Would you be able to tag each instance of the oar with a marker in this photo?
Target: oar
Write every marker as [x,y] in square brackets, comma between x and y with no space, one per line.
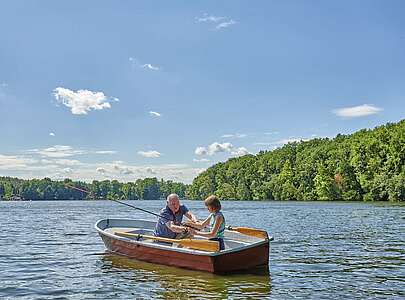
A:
[250,231]
[244,230]
[205,245]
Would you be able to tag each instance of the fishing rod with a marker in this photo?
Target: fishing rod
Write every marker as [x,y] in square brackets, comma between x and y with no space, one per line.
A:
[123,203]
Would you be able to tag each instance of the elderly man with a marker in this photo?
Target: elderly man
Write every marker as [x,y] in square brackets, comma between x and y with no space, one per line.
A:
[171,217]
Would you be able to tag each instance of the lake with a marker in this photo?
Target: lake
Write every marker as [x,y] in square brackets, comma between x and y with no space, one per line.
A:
[328,250]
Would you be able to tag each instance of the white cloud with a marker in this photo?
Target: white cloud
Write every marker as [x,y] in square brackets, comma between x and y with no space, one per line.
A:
[9,162]
[240,151]
[101,170]
[105,152]
[290,140]
[236,135]
[59,151]
[59,168]
[200,151]
[263,143]
[62,161]
[122,169]
[201,160]
[67,170]
[150,170]
[150,67]
[225,24]
[155,114]
[218,147]
[150,154]
[51,134]
[126,171]
[82,101]
[357,111]
[271,132]
[207,18]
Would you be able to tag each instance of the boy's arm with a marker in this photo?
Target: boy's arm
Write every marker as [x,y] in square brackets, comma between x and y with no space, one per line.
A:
[214,229]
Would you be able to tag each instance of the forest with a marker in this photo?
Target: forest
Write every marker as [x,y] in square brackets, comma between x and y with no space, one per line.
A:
[365,166]
[47,189]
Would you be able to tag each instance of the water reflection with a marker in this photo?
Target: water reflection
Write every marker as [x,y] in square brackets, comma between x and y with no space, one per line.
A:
[169,282]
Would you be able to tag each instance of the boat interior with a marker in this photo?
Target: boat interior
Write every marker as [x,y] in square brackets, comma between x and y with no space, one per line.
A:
[139,228]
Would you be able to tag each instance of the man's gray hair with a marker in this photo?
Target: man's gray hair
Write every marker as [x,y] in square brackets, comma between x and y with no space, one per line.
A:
[172,196]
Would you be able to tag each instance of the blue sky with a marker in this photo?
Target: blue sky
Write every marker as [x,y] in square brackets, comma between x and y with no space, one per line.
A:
[133,89]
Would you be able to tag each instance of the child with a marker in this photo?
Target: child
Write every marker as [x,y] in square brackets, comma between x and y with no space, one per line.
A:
[217,222]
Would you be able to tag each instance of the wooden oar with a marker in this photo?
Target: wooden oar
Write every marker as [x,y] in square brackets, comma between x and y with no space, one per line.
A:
[244,230]
[250,231]
[205,245]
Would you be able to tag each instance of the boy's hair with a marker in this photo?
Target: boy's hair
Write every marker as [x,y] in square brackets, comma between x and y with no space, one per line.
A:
[213,201]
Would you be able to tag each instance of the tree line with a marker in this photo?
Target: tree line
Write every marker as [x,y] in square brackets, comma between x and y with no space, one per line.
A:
[47,189]
[367,165]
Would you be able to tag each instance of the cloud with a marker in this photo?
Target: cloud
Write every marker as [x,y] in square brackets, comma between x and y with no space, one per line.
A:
[213,149]
[59,151]
[62,161]
[201,160]
[82,101]
[218,148]
[357,111]
[101,170]
[67,170]
[271,132]
[105,152]
[240,151]
[200,151]
[123,170]
[236,135]
[225,24]
[9,162]
[150,170]
[51,134]
[225,21]
[150,154]
[155,114]
[126,171]
[290,140]
[263,143]
[210,19]
[150,67]
[26,167]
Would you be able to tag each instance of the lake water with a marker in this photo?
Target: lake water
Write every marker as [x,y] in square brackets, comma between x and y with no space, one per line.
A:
[50,250]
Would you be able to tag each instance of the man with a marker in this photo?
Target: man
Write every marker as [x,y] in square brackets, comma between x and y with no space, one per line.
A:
[169,224]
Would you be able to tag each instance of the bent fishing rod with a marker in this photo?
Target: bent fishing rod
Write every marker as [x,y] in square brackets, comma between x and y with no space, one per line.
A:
[123,203]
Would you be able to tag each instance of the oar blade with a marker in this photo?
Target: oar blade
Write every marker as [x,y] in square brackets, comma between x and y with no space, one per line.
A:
[251,232]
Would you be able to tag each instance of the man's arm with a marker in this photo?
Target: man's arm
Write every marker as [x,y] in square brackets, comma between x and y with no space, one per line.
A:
[190,215]
[175,228]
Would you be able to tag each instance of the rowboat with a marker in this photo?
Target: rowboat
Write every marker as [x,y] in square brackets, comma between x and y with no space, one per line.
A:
[134,239]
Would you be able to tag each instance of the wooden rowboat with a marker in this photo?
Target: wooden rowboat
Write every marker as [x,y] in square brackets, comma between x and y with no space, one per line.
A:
[130,238]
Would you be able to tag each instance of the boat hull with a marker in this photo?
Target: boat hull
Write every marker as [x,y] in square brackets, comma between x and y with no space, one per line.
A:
[222,263]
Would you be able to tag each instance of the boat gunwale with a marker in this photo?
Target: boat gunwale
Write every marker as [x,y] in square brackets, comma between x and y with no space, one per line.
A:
[170,248]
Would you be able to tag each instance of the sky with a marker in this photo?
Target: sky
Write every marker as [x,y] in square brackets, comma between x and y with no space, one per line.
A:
[94,90]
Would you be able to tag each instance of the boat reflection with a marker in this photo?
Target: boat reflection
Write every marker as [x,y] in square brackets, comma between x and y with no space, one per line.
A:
[169,282]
